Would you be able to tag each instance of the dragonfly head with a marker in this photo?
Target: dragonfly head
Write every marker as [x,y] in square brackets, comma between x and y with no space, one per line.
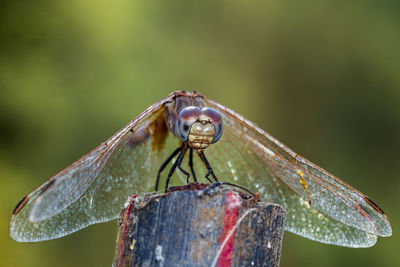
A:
[200,127]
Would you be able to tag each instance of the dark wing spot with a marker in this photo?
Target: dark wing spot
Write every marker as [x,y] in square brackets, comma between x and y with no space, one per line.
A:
[20,205]
[373,204]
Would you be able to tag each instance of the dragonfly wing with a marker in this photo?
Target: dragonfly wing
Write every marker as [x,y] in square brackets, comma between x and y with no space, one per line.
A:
[308,222]
[94,188]
[252,158]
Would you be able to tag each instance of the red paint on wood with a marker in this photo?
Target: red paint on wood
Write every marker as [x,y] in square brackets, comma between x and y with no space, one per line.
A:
[232,205]
[123,234]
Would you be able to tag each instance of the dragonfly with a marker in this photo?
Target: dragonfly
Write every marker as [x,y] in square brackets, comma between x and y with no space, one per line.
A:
[218,142]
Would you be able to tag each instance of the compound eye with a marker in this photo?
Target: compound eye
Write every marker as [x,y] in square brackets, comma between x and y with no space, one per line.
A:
[186,118]
[216,120]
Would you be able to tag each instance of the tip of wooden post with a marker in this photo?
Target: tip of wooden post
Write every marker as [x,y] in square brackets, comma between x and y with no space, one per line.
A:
[193,225]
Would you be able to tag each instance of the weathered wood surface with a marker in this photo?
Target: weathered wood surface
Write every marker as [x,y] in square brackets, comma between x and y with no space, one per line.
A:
[199,228]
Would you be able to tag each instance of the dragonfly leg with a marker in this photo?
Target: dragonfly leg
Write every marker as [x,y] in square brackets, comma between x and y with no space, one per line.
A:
[238,186]
[180,162]
[208,166]
[191,166]
[184,172]
[217,184]
[177,163]
[166,162]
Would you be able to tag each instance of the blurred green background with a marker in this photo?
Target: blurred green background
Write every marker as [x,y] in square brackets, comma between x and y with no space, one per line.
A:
[321,76]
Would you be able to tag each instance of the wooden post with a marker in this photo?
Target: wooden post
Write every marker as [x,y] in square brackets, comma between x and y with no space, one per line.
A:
[193,227]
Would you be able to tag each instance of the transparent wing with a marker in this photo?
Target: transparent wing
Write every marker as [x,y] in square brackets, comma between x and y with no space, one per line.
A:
[339,214]
[94,188]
